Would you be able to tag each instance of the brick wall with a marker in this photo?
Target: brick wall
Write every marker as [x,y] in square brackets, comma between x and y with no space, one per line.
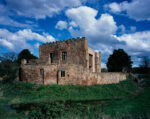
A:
[76,51]
[74,74]
[76,67]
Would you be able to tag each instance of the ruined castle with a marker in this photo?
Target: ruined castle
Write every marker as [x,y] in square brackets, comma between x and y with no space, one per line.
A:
[67,62]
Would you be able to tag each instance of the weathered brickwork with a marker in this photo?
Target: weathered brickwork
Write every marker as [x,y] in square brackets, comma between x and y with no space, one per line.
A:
[67,62]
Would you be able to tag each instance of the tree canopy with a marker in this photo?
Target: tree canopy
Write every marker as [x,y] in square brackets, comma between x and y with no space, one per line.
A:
[8,66]
[25,54]
[145,65]
[119,61]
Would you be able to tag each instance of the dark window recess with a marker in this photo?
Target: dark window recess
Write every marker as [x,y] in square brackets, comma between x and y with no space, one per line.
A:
[64,56]
[42,73]
[52,57]
[62,73]
[90,61]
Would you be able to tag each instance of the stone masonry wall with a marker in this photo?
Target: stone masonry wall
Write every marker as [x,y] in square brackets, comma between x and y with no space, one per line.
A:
[76,67]
[31,74]
[75,75]
[76,51]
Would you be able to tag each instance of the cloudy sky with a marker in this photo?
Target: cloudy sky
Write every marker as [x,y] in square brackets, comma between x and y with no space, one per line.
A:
[107,25]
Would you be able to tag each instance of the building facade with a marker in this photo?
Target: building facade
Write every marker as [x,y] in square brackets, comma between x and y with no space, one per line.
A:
[67,62]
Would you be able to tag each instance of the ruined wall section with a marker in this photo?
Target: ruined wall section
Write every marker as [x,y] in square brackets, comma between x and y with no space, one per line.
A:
[78,75]
[111,77]
[74,74]
[32,74]
[76,51]
[97,62]
[91,52]
[76,67]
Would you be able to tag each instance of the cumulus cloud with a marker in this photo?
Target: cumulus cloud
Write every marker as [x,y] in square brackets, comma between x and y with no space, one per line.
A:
[6,20]
[138,41]
[6,43]
[40,8]
[73,24]
[96,30]
[136,45]
[99,31]
[114,7]
[136,9]
[122,28]
[19,40]
[61,25]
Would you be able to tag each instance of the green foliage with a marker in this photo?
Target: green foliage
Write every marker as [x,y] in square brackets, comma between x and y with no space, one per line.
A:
[8,64]
[11,77]
[145,65]
[25,54]
[8,67]
[123,100]
[119,61]
[104,70]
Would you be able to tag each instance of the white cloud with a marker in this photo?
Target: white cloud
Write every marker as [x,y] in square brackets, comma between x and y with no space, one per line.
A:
[40,8]
[61,25]
[37,45]
[6,20]
[114,7]
[19,40]
[123,28]
[136,9]
[6,43]
[138,41]
[96,30]
[73,24]
[100,33]
[103,65]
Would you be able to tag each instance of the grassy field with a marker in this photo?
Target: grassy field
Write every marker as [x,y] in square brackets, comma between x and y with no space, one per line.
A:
[125,100]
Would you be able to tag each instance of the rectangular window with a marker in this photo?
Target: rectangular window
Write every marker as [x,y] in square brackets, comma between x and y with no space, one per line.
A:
[62,73]
[42,73]
[90,61]
[52,57]
[64,56]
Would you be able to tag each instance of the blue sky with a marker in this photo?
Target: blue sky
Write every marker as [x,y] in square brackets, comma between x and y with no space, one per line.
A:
[107,25]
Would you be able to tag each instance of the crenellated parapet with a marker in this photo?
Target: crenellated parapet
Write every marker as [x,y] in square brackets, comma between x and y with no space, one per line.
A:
[78,39]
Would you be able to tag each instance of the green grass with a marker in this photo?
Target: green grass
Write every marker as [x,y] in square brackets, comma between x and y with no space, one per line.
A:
[82,101]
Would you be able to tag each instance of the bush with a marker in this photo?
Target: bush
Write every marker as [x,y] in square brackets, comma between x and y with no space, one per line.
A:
[11,77]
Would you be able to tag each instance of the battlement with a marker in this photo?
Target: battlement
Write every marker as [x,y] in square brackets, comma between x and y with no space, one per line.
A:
[78,39]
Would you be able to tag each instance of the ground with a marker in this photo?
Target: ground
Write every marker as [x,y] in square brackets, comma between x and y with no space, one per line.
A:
[123,100]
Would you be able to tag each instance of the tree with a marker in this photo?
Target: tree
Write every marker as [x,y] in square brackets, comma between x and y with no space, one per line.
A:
[8,66]
[25,54]
[145,65]
[119,61]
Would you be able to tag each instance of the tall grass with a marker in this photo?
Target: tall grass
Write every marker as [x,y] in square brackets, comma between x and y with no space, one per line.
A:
[121,100]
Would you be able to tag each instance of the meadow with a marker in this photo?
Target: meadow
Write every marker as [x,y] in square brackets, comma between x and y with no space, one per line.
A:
[125,100]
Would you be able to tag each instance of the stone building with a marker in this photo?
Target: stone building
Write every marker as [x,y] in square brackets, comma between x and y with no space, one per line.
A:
[67,62]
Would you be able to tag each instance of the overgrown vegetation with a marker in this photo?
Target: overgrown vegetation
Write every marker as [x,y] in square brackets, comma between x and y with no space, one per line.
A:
[8,67]
[25,54]
[123,100]
[119,61]
[18,100]
[10,64]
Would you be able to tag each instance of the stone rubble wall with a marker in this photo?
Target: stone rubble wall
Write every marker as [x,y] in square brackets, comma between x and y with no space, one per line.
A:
[111,77]
[74,75]
[76,66]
